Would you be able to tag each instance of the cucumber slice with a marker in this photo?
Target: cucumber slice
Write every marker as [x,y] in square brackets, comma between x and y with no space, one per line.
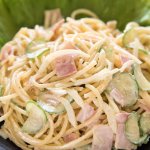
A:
[34,49]
[36,120]
[142,140]
[145,123]
[131,25]
[135,33]
[59,109]
[129,37]
[132,130]
[32,46]
[37,53]
[126,86]
[143,83]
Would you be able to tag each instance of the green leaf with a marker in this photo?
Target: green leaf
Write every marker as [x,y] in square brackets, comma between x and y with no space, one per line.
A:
[17,13]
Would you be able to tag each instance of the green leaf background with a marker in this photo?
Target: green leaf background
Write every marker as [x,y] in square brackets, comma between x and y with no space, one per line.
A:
[18,13]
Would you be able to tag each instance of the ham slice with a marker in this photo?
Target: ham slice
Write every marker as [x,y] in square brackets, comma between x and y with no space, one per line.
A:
[86,112]
[52,17]
[102,138]
[70,137]
[65,66]
[122,117]
[121,142]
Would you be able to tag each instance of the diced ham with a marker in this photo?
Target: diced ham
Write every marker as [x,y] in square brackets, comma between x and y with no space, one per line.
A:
[122,117]
[102,138]
[6,51]
[65,66]
[118,97]
[121,141]
[52,16]
[86,112]
[70,137]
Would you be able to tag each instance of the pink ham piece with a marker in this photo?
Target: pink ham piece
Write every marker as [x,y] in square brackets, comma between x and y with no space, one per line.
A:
[86,112]
[102,138]
[122,117]
[121,142]
[70,137]
[65,66]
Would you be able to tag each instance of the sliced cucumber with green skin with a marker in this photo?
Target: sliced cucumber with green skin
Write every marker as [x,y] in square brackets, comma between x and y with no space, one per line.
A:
[131,25]
[129,37]
[36,118]
[132,130]
[37,53]
[143,83]
[59,109]
[33,52]
[32,45]
[134,33]
[142,140]
[126,86]
[145,123]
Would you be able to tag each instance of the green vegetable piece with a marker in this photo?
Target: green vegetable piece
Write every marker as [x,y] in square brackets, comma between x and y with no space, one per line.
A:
[36,118]
[145,123]
[132,130]
[37,53]
[126,86]
[59,109]
[36,48]
[129,37]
